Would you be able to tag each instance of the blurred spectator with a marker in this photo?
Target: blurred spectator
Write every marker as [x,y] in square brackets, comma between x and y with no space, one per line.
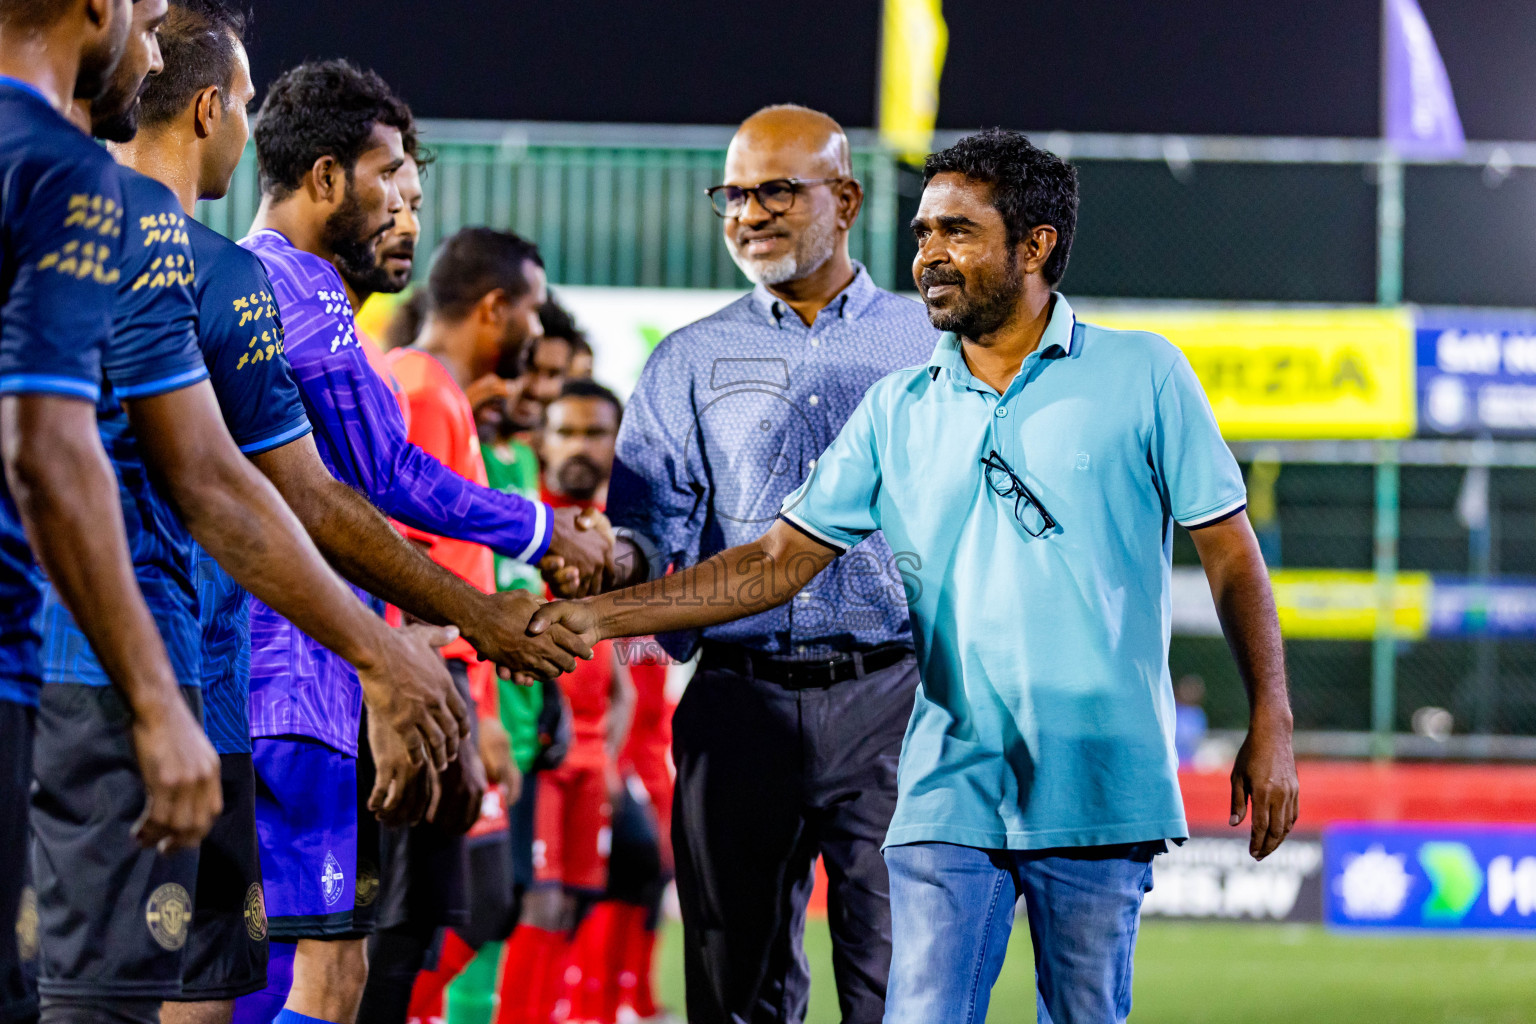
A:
[581,359]
[406,319]
[1189,723]
[546,367]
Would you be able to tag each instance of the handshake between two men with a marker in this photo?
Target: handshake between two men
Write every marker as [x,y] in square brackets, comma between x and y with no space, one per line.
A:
[431,765]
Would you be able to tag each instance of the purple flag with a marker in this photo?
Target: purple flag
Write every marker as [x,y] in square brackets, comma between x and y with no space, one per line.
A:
[1418,111]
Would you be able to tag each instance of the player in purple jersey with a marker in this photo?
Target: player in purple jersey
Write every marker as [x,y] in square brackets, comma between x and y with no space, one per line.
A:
[193,130]
[329,139]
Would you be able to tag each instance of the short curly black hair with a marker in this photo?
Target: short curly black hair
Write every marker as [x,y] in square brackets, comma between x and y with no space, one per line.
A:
[1030,187]
[197,45]
[323,108]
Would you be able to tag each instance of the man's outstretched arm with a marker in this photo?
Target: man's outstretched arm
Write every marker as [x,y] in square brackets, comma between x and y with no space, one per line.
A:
[67,496]
[235,514]
[738,582]
[359,429]
[1265,771]
[367,550]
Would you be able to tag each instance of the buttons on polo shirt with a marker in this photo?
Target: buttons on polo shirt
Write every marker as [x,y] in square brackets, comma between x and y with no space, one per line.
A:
[814,400]
[1001,412]
[815,343]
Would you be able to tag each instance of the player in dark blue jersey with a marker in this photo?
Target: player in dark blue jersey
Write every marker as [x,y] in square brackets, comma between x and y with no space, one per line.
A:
[114,921]
[193,132]
[60,232]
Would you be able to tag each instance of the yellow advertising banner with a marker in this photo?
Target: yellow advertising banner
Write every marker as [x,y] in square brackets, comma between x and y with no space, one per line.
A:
[1283,374]
[1339,604]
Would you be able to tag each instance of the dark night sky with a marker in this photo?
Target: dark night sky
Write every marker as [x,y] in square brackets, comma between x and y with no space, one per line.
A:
[1307,67]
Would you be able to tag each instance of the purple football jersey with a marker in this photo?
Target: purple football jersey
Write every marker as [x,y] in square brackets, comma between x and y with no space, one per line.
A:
[297,686]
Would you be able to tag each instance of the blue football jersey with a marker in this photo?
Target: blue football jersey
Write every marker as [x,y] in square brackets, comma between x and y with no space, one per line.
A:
[241,336]
[153,350]
[60,232]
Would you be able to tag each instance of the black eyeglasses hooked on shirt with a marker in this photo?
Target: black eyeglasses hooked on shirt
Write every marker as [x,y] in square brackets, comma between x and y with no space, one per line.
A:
[1027,509]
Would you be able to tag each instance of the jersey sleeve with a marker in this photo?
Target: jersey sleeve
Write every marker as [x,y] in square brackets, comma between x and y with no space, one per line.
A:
[242,337]
[838,503]
[154,345]
[1197,475]
[64,244]
[361,435]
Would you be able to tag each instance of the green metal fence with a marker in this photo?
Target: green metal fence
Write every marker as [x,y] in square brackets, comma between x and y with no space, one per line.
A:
[1246,219]
[604,211]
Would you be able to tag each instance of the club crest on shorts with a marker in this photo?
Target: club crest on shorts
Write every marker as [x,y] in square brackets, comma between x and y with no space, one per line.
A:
[255,913]
[367,884]
[168,913]
[332,881]
[26,925]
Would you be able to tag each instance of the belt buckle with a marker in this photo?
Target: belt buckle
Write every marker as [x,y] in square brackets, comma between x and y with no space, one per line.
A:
[816,677]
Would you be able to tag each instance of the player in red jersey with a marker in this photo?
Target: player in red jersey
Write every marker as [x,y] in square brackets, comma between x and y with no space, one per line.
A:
[573,807]
[485,289]
[645,764]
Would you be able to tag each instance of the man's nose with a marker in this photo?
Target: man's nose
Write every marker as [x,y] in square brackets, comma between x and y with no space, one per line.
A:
[753,211]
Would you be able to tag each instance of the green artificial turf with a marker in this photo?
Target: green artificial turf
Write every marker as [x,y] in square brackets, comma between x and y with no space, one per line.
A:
[1188,973]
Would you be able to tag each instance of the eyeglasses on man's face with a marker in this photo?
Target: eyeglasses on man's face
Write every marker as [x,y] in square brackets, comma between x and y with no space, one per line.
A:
[1027,509]
[776,196]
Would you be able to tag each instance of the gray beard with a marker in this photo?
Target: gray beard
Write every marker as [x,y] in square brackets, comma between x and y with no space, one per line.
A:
[816,247]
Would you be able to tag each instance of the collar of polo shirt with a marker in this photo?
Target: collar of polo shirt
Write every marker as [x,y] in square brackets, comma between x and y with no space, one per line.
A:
[1055,343]
[847,304]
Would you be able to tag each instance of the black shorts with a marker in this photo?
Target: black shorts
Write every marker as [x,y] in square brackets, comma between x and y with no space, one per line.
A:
[423,869]
[365,903]
[492,900]
[114,917]
[634,861]
[226,954]
[18,901]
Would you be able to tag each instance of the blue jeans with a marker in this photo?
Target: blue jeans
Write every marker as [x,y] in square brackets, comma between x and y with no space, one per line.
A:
[952,910]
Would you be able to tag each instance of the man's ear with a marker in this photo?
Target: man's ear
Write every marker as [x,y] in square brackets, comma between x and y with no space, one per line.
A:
[98,12]
[850,200]
[327,180]
[1036,248]
[491,309]
[207,111]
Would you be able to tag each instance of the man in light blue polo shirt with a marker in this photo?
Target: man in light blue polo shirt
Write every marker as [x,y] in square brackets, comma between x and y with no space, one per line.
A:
[1028,478]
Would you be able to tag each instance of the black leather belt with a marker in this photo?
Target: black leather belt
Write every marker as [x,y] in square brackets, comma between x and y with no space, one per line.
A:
[802,674]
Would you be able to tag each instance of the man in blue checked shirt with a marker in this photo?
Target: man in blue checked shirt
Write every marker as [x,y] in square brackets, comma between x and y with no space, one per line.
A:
[787,738]
[1030,474]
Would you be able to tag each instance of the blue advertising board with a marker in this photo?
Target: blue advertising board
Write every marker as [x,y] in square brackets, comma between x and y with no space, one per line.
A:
[1476,372]
[1462,607]
[1444,877]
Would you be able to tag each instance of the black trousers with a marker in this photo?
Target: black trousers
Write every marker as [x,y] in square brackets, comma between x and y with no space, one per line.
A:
[767,780]
[18,901]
